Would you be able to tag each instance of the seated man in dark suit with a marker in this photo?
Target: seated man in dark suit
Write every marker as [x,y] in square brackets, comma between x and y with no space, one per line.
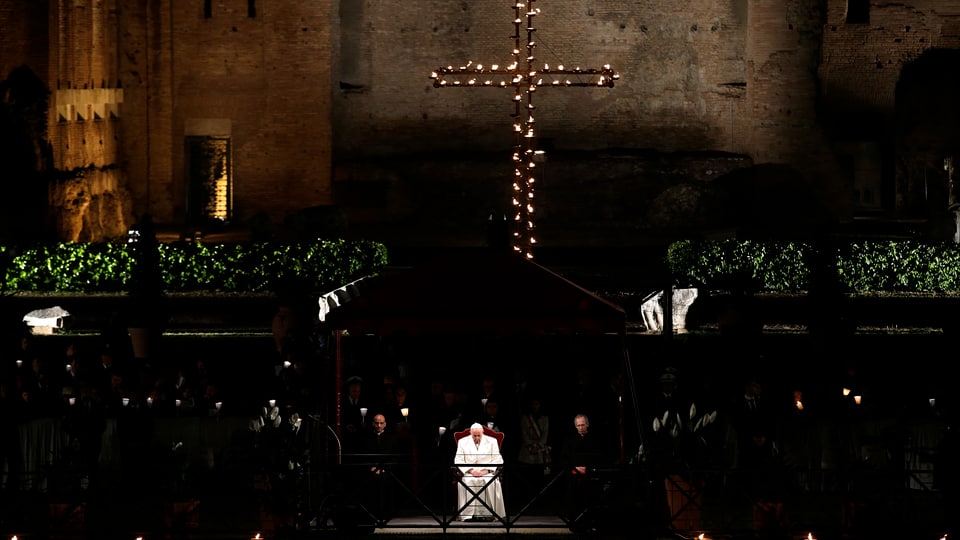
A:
[580,455]
[382,454]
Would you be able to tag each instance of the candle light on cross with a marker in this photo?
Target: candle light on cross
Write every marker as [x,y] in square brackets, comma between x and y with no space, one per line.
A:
[525,78]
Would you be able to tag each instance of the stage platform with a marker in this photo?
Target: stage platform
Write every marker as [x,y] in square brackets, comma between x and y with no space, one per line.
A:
[533,527]
[523,526]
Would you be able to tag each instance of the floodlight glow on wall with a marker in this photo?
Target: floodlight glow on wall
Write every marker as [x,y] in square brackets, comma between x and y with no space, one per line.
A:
[524,83]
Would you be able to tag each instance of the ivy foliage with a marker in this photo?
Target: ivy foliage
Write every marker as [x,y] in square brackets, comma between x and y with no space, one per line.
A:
[855,267]
[77,267]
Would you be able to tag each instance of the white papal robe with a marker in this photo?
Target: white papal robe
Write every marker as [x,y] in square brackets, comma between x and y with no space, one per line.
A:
[485,456]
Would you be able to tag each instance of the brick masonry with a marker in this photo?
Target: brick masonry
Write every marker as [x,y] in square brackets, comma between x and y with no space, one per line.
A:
[782,109]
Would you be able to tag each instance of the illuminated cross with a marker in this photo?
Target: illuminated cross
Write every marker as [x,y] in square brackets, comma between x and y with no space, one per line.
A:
[525,81]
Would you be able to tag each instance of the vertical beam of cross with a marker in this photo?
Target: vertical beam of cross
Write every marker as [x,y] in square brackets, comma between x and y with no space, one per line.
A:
[524,77]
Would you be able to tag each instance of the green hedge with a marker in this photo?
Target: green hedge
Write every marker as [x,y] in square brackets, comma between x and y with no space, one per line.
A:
[895,266]
[854,267]
[193,266]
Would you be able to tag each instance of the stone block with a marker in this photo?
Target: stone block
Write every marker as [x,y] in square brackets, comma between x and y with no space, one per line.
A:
[653,313]
[46,321]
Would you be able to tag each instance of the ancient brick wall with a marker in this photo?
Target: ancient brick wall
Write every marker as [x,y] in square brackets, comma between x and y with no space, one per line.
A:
[860,69]
[861,62]
[730,78]
[145,65]
[261,79]
[25,36]
[330,103]
[90,201]
[683,65]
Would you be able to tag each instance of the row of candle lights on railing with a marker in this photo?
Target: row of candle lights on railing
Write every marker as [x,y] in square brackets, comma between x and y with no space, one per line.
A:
[256,536]
[701,536]
[809,536]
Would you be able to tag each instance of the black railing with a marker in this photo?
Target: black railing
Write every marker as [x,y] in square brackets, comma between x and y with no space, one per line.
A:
[213,475]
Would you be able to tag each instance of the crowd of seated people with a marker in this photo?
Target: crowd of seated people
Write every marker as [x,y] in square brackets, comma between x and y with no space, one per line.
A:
[539,413]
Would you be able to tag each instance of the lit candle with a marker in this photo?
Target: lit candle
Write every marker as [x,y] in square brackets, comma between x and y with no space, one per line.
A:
[126,401]
[256,537]
[363,411]
[72,400]
[19,363]
[218,405]
[405,411]
[286,363]
[68,367]
[441,430]
[484,402]
[857,399]
[177,403]
[272,403]
[933,402]
[846,392]
[149,402]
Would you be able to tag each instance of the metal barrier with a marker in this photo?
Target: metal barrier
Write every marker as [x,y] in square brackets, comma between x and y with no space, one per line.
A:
[225,480]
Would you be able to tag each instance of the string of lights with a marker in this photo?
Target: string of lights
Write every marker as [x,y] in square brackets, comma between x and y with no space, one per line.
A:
[524,81]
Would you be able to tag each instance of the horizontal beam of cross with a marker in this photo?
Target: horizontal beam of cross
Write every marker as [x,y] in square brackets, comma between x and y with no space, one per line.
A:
[466,76]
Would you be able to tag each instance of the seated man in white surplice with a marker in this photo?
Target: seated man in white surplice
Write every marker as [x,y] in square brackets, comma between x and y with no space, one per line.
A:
[478,457]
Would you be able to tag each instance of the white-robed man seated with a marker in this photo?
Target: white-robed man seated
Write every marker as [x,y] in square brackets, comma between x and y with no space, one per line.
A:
[478,492]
